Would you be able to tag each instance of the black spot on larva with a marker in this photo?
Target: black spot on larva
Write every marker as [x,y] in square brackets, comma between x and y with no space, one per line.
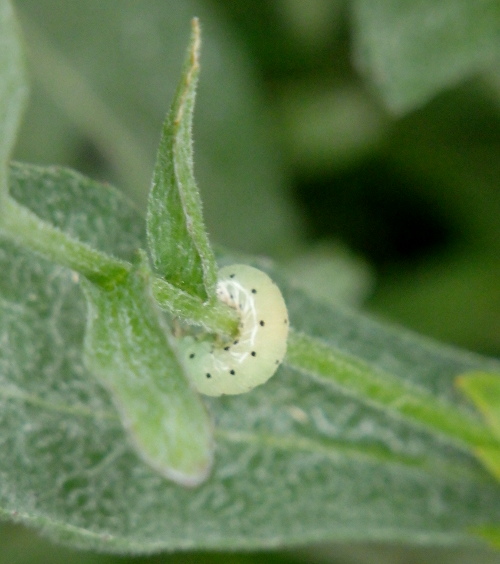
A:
[232,275]
[231,296]
[192,355]
[277,362]
[208,375]
[235,342]
[254,291]
[261,323]
[232,372]
[286,321]
[253,353]
[226,348]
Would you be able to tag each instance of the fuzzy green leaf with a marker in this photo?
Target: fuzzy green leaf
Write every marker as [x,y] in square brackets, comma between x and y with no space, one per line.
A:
[413,50]
[127,349]
[177,238]
[297,460]
[13,89]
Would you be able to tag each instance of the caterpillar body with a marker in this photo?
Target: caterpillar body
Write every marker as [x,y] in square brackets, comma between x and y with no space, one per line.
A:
[253,356]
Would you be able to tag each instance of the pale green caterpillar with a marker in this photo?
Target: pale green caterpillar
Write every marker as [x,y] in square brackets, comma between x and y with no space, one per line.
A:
[235,367]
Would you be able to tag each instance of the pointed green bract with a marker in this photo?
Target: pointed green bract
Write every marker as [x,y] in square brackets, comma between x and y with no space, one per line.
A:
[127,349]
[13,89]
[178,242]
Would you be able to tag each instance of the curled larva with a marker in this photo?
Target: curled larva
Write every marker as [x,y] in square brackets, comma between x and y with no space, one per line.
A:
[235,367]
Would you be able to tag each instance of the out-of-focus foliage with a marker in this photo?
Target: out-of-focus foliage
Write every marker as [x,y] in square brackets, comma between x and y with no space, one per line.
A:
[411,50]
[415,193]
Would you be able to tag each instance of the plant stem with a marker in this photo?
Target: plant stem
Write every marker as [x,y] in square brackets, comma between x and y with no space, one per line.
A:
[385,391]
[215,316]
[27,229]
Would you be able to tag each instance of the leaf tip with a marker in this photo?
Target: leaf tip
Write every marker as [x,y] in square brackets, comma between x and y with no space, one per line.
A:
[192,67]
[195,41]
[192,479]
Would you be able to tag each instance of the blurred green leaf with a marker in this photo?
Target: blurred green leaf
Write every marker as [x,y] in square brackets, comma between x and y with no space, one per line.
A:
[384,553]
[412,50]
[483,389]
[453,299]
[177,238]
[490,457]
[296,460]
[334,275]
[329,128]
[491,534]
[21,546]
[13,88]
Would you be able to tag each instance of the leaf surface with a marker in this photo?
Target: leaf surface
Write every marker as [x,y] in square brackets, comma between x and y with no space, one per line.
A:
[297,460]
